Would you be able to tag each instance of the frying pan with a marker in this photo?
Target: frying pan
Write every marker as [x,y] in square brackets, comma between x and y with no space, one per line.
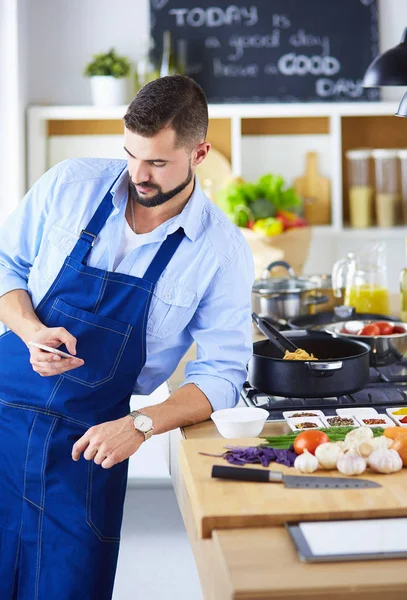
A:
[342,368]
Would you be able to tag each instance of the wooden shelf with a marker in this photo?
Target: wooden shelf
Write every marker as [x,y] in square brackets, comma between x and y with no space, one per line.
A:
[286,126]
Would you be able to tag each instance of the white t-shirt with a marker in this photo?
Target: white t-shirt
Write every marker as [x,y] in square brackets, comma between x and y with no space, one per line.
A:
[128,242]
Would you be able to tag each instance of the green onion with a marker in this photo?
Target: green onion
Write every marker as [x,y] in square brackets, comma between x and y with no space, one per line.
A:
[335,434]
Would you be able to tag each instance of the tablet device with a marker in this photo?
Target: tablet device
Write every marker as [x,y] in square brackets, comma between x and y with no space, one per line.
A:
[366,539]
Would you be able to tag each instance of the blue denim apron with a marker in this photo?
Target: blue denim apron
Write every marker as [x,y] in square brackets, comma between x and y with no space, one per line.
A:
[60,520]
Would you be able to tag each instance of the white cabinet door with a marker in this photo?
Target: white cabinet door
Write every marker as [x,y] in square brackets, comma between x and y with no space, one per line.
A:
[150,462]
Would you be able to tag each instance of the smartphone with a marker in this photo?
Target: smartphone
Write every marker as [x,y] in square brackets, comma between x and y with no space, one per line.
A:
[53,350]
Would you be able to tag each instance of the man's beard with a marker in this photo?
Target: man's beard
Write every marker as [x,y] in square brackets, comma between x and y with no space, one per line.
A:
[160,197]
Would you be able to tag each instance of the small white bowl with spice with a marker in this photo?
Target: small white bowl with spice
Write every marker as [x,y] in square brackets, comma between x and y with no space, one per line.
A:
[305,423]
[341,421]
[379,420]
[398,414]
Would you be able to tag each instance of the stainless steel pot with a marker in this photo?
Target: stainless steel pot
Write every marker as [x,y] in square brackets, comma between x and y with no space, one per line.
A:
[384,349]
[283,298]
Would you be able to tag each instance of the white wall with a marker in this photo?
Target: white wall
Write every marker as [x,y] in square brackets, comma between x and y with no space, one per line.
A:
[11,109]
[62,35]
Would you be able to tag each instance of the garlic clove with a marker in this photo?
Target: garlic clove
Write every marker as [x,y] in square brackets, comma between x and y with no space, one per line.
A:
[365,449]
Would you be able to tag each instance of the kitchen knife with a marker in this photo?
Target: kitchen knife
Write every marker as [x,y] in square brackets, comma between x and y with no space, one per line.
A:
[290,481]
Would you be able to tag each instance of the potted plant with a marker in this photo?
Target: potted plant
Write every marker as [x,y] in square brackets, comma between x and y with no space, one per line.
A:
[109,76]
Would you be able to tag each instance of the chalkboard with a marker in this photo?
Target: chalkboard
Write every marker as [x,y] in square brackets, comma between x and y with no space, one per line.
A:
[274,50]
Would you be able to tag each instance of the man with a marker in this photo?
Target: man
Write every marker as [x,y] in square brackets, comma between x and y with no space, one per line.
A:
[123,265]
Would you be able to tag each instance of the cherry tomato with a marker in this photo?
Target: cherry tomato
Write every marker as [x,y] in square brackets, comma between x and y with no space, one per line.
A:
[371,329]
[385,327]
[399,329]
[309,440]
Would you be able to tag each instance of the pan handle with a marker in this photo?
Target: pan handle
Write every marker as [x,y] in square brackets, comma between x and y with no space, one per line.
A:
[321,366]
[315,299]
[321,369]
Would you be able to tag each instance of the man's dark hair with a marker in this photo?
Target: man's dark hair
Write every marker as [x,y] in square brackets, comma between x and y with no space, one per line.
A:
[174,101]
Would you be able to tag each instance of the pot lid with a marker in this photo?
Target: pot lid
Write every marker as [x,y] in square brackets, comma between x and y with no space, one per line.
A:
[273,285]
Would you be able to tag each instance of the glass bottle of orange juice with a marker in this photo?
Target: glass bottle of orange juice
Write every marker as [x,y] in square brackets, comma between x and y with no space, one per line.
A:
[367,298]
[364,278]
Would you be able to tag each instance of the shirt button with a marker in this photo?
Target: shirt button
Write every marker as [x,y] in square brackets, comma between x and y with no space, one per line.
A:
[168,296]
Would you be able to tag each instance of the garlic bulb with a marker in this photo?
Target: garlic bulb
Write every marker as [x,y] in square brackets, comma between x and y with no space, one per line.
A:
[306,462]
[350,463]
[357,436]
[384,460]
[381,442]
[365,449]
[327,455]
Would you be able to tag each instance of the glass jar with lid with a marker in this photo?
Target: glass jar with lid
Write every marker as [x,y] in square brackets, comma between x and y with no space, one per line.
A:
[388,202]
[402,154]
[360,187]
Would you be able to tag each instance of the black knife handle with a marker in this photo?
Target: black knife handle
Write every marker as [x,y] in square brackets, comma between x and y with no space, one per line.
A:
[240,473]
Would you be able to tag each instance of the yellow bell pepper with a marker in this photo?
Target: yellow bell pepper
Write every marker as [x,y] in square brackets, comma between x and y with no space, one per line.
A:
[269,226]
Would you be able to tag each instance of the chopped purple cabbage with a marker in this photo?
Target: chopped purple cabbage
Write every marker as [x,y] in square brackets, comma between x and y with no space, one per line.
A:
[240,455]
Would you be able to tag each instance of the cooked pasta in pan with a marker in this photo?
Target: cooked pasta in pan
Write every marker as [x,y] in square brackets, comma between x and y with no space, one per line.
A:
[299,354]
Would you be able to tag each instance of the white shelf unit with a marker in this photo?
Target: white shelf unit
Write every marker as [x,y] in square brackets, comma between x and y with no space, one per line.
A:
[39,118]
[342,125]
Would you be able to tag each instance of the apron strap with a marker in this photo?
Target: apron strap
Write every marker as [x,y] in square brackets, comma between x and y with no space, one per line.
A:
[88,235]
[163,256]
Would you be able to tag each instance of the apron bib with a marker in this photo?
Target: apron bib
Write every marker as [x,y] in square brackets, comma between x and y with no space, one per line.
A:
[60,520]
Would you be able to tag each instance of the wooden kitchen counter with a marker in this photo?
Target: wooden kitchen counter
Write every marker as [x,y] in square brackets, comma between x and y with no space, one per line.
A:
[261,562]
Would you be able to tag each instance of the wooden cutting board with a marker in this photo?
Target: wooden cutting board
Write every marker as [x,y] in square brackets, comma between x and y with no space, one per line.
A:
[223,504]
[315,191]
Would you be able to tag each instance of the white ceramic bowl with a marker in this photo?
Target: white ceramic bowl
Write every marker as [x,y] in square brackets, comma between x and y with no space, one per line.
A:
[240,422]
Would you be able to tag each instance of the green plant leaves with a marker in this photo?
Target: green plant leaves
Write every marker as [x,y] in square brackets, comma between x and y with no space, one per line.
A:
[108,64]
[243,201]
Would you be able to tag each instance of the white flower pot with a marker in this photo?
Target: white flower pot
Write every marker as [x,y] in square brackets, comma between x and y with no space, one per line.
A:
[109,91]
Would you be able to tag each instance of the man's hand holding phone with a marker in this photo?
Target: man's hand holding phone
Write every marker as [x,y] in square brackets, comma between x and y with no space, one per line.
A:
[44,361]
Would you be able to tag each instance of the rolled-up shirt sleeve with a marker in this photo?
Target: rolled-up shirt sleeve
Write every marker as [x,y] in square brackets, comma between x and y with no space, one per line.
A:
[221,328]
[21,234]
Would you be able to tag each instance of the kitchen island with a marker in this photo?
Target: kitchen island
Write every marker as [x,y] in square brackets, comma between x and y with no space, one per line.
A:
[249,562]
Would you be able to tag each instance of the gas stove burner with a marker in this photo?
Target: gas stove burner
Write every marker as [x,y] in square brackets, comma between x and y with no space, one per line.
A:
[387,387]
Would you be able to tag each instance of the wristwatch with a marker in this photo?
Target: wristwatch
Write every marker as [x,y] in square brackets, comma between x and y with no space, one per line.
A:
[142,423]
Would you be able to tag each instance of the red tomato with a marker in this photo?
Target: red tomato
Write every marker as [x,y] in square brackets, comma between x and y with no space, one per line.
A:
[385,327]
[309,440]
[399,329]
[371,329]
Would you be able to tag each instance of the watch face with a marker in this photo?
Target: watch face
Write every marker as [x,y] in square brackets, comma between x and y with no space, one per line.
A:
[143,423]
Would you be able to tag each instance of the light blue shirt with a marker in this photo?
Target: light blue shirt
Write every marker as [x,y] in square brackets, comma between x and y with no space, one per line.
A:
[204,294]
